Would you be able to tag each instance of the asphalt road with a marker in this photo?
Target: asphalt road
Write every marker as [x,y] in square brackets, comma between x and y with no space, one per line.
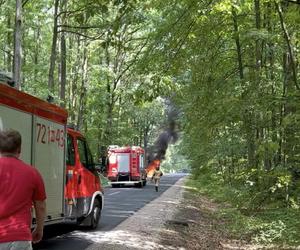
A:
[119,204]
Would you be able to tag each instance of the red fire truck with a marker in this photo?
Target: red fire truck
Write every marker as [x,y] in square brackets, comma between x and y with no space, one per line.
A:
[126,166]
[61,155]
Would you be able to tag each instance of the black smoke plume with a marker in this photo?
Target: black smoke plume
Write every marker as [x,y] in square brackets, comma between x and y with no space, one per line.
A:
[169,135]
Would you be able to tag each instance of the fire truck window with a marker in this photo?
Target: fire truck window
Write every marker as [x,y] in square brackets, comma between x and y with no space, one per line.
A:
[70,156]
[82,152]
[141,161]
[123,162]
[85,155]
[89,158]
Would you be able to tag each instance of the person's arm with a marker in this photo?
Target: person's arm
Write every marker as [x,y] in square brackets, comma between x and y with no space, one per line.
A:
[40,214]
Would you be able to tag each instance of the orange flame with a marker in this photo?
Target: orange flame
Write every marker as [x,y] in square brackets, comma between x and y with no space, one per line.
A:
[151,167]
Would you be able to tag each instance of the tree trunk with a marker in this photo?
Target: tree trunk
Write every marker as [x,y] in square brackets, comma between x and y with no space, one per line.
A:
[63,55]
[53,49]
[63,70]
[271,58]
[109,99]
[9,45]
[36,52]
[289,45]
[146,139]
[257,42]
[258,62]
[247,118]
[18,46]
[82,98]
[74,82]
[237,43]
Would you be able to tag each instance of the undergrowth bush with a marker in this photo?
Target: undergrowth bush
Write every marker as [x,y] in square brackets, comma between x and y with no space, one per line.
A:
[263,206]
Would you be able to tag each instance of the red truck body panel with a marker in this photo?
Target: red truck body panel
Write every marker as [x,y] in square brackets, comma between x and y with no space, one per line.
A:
[30,104]
[81,182]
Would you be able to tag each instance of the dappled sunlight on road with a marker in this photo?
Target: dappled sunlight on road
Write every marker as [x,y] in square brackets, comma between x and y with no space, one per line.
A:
[120,239]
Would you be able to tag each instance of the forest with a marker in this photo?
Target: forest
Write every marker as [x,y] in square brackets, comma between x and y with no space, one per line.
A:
[221,74]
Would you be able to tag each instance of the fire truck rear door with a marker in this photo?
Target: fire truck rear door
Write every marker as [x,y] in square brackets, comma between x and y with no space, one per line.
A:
[123,160]
[49,158]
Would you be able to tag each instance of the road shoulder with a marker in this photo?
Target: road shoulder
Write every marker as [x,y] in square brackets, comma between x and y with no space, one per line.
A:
[143,229]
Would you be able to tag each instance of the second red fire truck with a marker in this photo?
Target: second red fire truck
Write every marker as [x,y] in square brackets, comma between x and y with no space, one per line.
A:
[126,166]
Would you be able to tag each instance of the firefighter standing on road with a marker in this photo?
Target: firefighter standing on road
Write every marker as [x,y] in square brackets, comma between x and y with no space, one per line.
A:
[156,177]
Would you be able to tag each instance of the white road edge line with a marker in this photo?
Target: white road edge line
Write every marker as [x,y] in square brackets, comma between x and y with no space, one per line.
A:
[114,193]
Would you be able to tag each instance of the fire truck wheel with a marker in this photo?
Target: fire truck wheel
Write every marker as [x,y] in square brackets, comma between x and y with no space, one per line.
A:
[95,214]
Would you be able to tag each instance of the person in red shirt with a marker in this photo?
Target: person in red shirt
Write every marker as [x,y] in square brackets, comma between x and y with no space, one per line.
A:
[21,186]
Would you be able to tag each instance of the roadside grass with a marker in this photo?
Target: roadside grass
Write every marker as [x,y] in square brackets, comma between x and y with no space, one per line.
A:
[266,225]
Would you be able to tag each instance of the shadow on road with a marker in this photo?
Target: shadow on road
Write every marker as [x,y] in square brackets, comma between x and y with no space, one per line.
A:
[61,232]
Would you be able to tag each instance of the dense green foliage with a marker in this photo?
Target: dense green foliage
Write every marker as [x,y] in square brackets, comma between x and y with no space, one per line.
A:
[105,92]
[236,65]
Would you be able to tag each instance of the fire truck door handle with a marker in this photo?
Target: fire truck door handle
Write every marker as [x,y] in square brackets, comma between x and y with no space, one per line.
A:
[79,179]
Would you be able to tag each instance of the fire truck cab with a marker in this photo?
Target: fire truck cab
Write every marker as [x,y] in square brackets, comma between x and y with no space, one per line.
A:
[126,166]
[60,154]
